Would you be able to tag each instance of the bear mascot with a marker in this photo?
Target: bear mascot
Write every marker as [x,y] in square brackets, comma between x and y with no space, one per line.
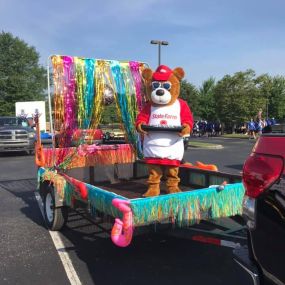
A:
[163,150]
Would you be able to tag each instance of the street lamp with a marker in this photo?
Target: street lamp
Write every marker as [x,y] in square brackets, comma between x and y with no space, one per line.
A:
[159,43]
[267,106]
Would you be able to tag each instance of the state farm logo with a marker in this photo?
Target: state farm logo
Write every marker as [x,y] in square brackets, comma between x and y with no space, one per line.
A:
[163,122]
[164,116]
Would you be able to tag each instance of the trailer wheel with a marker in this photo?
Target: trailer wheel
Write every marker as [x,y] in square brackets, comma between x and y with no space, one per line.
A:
[55,217]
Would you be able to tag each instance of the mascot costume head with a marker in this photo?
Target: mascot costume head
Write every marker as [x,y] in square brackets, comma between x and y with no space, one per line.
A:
[163,123]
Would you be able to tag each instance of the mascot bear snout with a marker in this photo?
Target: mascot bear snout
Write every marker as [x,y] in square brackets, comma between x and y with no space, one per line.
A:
[159,92]
[160,96]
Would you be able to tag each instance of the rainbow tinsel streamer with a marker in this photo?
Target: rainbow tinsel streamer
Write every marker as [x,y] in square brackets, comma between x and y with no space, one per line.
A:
[69,94]
[89,90]
[125,102]
[135,70]
[80,85]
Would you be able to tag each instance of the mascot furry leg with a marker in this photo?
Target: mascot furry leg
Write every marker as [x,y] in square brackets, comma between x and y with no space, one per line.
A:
[155,174]
[173,179]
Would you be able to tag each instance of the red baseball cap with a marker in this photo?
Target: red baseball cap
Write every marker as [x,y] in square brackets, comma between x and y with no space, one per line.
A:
[162,73]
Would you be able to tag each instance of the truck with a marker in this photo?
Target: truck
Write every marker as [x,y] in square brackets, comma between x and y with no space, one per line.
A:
[16,135]
[263,257]
[107,180]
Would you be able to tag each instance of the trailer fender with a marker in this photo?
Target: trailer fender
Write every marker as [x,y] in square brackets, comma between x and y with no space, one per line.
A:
[44,188]
[122,231]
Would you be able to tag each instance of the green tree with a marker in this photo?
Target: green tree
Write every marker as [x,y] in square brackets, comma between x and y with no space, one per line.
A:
[273,91]
[207,100]
[190,94]
[238,98]
[110,114]
[277,98]
[21,76]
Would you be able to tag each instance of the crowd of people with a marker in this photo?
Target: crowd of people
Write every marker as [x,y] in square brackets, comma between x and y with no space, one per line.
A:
[210,129]
[253,128]
[256,127]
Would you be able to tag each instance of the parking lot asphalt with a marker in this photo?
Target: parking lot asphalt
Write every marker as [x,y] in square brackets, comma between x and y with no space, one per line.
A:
[229,159]
[28,256]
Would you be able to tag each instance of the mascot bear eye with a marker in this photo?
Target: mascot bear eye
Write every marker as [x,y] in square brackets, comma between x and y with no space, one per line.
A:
[166,85]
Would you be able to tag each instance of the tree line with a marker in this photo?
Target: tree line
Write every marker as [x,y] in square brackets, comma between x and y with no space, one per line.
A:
[234,99]
[237,98]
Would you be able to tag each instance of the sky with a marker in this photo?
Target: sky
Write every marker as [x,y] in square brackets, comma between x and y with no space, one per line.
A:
[206,37]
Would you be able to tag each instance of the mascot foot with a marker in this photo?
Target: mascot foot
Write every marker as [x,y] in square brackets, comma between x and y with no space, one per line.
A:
[173,189]
[153,190]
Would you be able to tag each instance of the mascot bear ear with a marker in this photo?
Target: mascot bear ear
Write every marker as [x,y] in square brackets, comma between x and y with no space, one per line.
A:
[179,72]
[147,74]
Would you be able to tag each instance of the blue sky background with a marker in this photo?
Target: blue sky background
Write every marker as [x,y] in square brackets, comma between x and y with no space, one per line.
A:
[207,37]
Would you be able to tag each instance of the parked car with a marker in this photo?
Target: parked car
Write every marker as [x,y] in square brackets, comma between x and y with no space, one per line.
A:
[264,210]
[113,134]
[16,135]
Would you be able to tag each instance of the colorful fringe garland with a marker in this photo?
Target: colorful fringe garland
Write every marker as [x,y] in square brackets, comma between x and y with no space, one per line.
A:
[182,209]
[64,190]
[187,208]
[88,155]
[101,200]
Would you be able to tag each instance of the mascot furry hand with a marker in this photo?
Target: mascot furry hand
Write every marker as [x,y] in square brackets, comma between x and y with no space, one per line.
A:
[163,150]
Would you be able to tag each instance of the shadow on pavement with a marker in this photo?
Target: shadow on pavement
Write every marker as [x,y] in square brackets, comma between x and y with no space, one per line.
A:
[150,259]
[24,190]
[13,153]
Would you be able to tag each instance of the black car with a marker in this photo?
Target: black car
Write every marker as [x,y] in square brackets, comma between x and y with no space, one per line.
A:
[264,211]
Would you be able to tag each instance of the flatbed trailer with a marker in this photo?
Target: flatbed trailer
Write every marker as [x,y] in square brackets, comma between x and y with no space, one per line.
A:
[198,212]
[109,180]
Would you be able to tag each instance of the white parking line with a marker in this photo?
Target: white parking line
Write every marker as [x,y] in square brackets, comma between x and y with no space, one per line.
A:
[60,248]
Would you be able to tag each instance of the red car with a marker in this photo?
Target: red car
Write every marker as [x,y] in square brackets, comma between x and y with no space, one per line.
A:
[264,210]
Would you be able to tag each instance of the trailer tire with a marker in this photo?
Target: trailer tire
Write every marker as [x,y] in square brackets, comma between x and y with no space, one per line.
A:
[55,217]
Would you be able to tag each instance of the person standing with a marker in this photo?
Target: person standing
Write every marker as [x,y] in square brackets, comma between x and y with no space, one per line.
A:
[251,129]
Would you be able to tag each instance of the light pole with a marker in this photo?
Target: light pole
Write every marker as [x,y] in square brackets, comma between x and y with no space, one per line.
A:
[159,43]
[267,106]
